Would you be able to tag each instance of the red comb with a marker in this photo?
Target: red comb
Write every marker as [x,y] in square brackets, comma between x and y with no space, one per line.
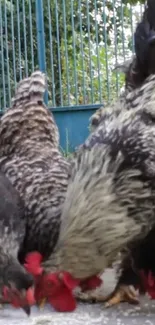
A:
[58,287]
[33,263]
[58,290]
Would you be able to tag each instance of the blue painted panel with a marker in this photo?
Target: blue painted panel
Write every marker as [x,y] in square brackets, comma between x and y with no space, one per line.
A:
[73,125]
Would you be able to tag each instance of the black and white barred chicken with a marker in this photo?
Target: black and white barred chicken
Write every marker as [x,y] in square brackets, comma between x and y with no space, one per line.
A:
[110,202]
[101,184]
[111,191]
[30,157]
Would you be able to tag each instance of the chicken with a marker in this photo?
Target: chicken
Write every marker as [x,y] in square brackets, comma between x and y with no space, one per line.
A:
[110,193]
[137,72]
[16,285]
[30,158]
[136,127]
[133,139]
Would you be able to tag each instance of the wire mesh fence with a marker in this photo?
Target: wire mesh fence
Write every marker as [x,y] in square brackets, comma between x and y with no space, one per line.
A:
[77,43]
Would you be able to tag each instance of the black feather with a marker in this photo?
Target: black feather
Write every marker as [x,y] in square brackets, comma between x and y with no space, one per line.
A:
[145,40]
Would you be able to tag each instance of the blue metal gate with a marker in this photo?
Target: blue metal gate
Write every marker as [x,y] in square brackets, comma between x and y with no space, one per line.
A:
[77,44]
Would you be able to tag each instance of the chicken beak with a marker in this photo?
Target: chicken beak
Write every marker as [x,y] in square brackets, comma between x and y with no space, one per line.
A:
[42,303]
[27,310]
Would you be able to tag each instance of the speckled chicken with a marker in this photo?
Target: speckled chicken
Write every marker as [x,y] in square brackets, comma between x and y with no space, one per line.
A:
[15,283]
[110,198]
[110,202]
[30,157]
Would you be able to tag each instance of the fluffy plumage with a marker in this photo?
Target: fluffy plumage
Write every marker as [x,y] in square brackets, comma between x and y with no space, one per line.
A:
[15,282]
[110,195]
[131,133]
[139,92]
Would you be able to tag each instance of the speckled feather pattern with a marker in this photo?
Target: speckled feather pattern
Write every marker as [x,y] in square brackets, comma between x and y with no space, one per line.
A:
[110,198]
[140,97]
[121,103]
[139,76]
[30,157]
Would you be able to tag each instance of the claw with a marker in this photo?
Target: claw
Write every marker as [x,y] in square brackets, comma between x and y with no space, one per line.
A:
[122,293]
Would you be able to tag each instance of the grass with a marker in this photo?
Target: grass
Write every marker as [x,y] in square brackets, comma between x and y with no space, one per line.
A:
[67,152]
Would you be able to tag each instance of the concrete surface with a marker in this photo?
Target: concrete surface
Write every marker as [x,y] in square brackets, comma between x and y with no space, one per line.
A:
[86,314]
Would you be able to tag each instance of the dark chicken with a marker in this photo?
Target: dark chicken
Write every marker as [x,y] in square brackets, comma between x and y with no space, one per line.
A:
[15,283]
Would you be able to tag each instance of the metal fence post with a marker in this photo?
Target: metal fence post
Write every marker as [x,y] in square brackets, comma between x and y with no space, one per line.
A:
[41,39]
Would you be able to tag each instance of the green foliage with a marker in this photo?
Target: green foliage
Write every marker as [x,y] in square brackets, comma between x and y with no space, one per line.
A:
[83,41]
[17,54]
[134,2]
